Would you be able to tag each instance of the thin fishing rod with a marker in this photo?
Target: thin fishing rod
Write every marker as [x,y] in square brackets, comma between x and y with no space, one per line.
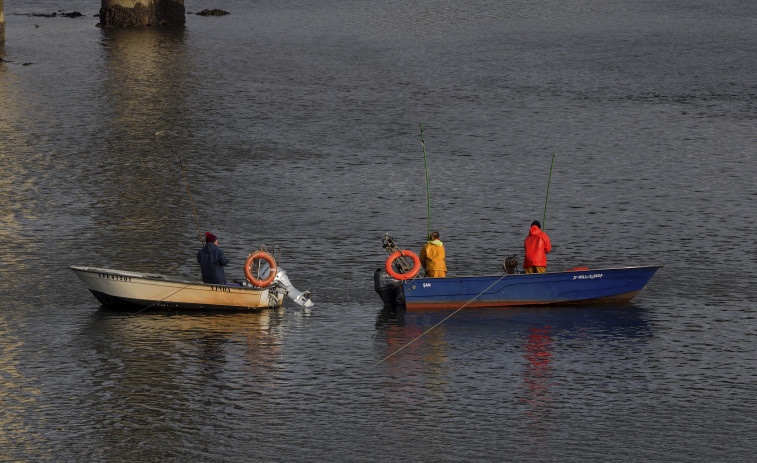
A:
[544,219]
[190,199]
[428,190]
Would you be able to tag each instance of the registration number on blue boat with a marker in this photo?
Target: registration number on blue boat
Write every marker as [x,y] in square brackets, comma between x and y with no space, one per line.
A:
[587,277]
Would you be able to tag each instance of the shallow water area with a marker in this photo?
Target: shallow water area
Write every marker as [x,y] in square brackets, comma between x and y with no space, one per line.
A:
[298,128]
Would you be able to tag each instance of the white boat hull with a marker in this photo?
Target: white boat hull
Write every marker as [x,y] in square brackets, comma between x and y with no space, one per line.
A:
[119,287]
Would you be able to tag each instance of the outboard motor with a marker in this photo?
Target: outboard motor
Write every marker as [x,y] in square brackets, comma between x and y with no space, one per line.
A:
[386,287]
[282,281]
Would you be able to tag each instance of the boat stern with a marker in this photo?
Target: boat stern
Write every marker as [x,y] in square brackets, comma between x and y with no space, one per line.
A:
[389,289]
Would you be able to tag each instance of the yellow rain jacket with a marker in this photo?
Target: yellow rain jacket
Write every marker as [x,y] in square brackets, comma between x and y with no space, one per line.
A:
[432,259]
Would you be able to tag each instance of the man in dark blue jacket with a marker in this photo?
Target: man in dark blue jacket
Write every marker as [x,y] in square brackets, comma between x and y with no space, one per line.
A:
[212,259]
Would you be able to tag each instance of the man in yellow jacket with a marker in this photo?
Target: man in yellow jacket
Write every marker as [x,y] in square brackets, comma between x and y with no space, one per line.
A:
[432,257]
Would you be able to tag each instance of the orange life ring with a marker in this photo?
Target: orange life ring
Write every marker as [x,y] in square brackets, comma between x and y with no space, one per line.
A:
[248,273]
[403,276]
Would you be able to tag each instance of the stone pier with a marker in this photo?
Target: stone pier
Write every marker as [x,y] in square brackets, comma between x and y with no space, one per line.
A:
[2,22]
[127,13]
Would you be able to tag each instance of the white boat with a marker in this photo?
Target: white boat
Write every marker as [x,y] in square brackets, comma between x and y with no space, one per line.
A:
[148,290]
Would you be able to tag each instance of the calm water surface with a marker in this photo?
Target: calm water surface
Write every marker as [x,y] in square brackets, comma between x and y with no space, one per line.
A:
[298,125]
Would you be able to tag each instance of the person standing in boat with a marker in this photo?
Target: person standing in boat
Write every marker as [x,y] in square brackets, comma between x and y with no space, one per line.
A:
[432,257]
[537,245]
[212,259]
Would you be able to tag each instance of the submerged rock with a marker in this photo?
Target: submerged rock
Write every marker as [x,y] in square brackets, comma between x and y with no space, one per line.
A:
[213,12]
[61,13]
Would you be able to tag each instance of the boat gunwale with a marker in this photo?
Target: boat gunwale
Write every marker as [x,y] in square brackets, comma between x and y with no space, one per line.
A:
[500,275]
[159,278]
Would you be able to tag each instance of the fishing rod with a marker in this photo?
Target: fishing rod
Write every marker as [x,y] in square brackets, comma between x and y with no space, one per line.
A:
[544,219]
[428,191]
[190,199]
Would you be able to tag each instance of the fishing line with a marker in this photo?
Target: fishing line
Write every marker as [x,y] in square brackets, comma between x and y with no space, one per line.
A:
[158,302]
[442,321]
[428,191]
[181,163]
[190,199]
[544,219]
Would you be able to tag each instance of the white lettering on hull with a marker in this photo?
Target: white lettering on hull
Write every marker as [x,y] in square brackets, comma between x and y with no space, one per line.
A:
[109,276]
[587,277]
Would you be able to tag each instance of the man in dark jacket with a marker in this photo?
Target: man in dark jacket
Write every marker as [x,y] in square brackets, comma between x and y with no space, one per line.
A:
[212,259]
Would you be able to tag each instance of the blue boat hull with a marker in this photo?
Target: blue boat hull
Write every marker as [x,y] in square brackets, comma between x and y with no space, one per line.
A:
[608,285]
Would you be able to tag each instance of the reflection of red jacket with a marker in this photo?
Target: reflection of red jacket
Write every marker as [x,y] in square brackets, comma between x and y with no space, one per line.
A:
[537,246]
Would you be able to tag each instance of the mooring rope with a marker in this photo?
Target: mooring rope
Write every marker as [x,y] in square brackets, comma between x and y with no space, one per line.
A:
[442,321]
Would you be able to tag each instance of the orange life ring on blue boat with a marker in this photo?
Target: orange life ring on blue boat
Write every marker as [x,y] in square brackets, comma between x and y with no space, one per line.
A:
[403,276]
[260,283]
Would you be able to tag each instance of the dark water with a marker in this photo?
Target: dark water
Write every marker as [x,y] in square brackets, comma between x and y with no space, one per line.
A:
[298,124]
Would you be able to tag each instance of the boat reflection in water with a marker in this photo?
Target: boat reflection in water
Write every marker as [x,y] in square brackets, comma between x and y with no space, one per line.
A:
[537,378]
[407,334]
[169,353]
[528,360]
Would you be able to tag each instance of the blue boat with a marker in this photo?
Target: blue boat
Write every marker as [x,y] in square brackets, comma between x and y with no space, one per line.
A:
[576,286]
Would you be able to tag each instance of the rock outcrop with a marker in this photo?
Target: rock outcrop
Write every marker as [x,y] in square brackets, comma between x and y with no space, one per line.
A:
[2,22]
[130,13]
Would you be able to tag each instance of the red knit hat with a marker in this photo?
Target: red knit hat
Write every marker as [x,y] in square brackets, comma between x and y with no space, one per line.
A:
[210,238]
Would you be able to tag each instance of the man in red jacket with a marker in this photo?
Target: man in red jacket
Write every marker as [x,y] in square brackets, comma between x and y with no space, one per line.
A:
[537,246]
